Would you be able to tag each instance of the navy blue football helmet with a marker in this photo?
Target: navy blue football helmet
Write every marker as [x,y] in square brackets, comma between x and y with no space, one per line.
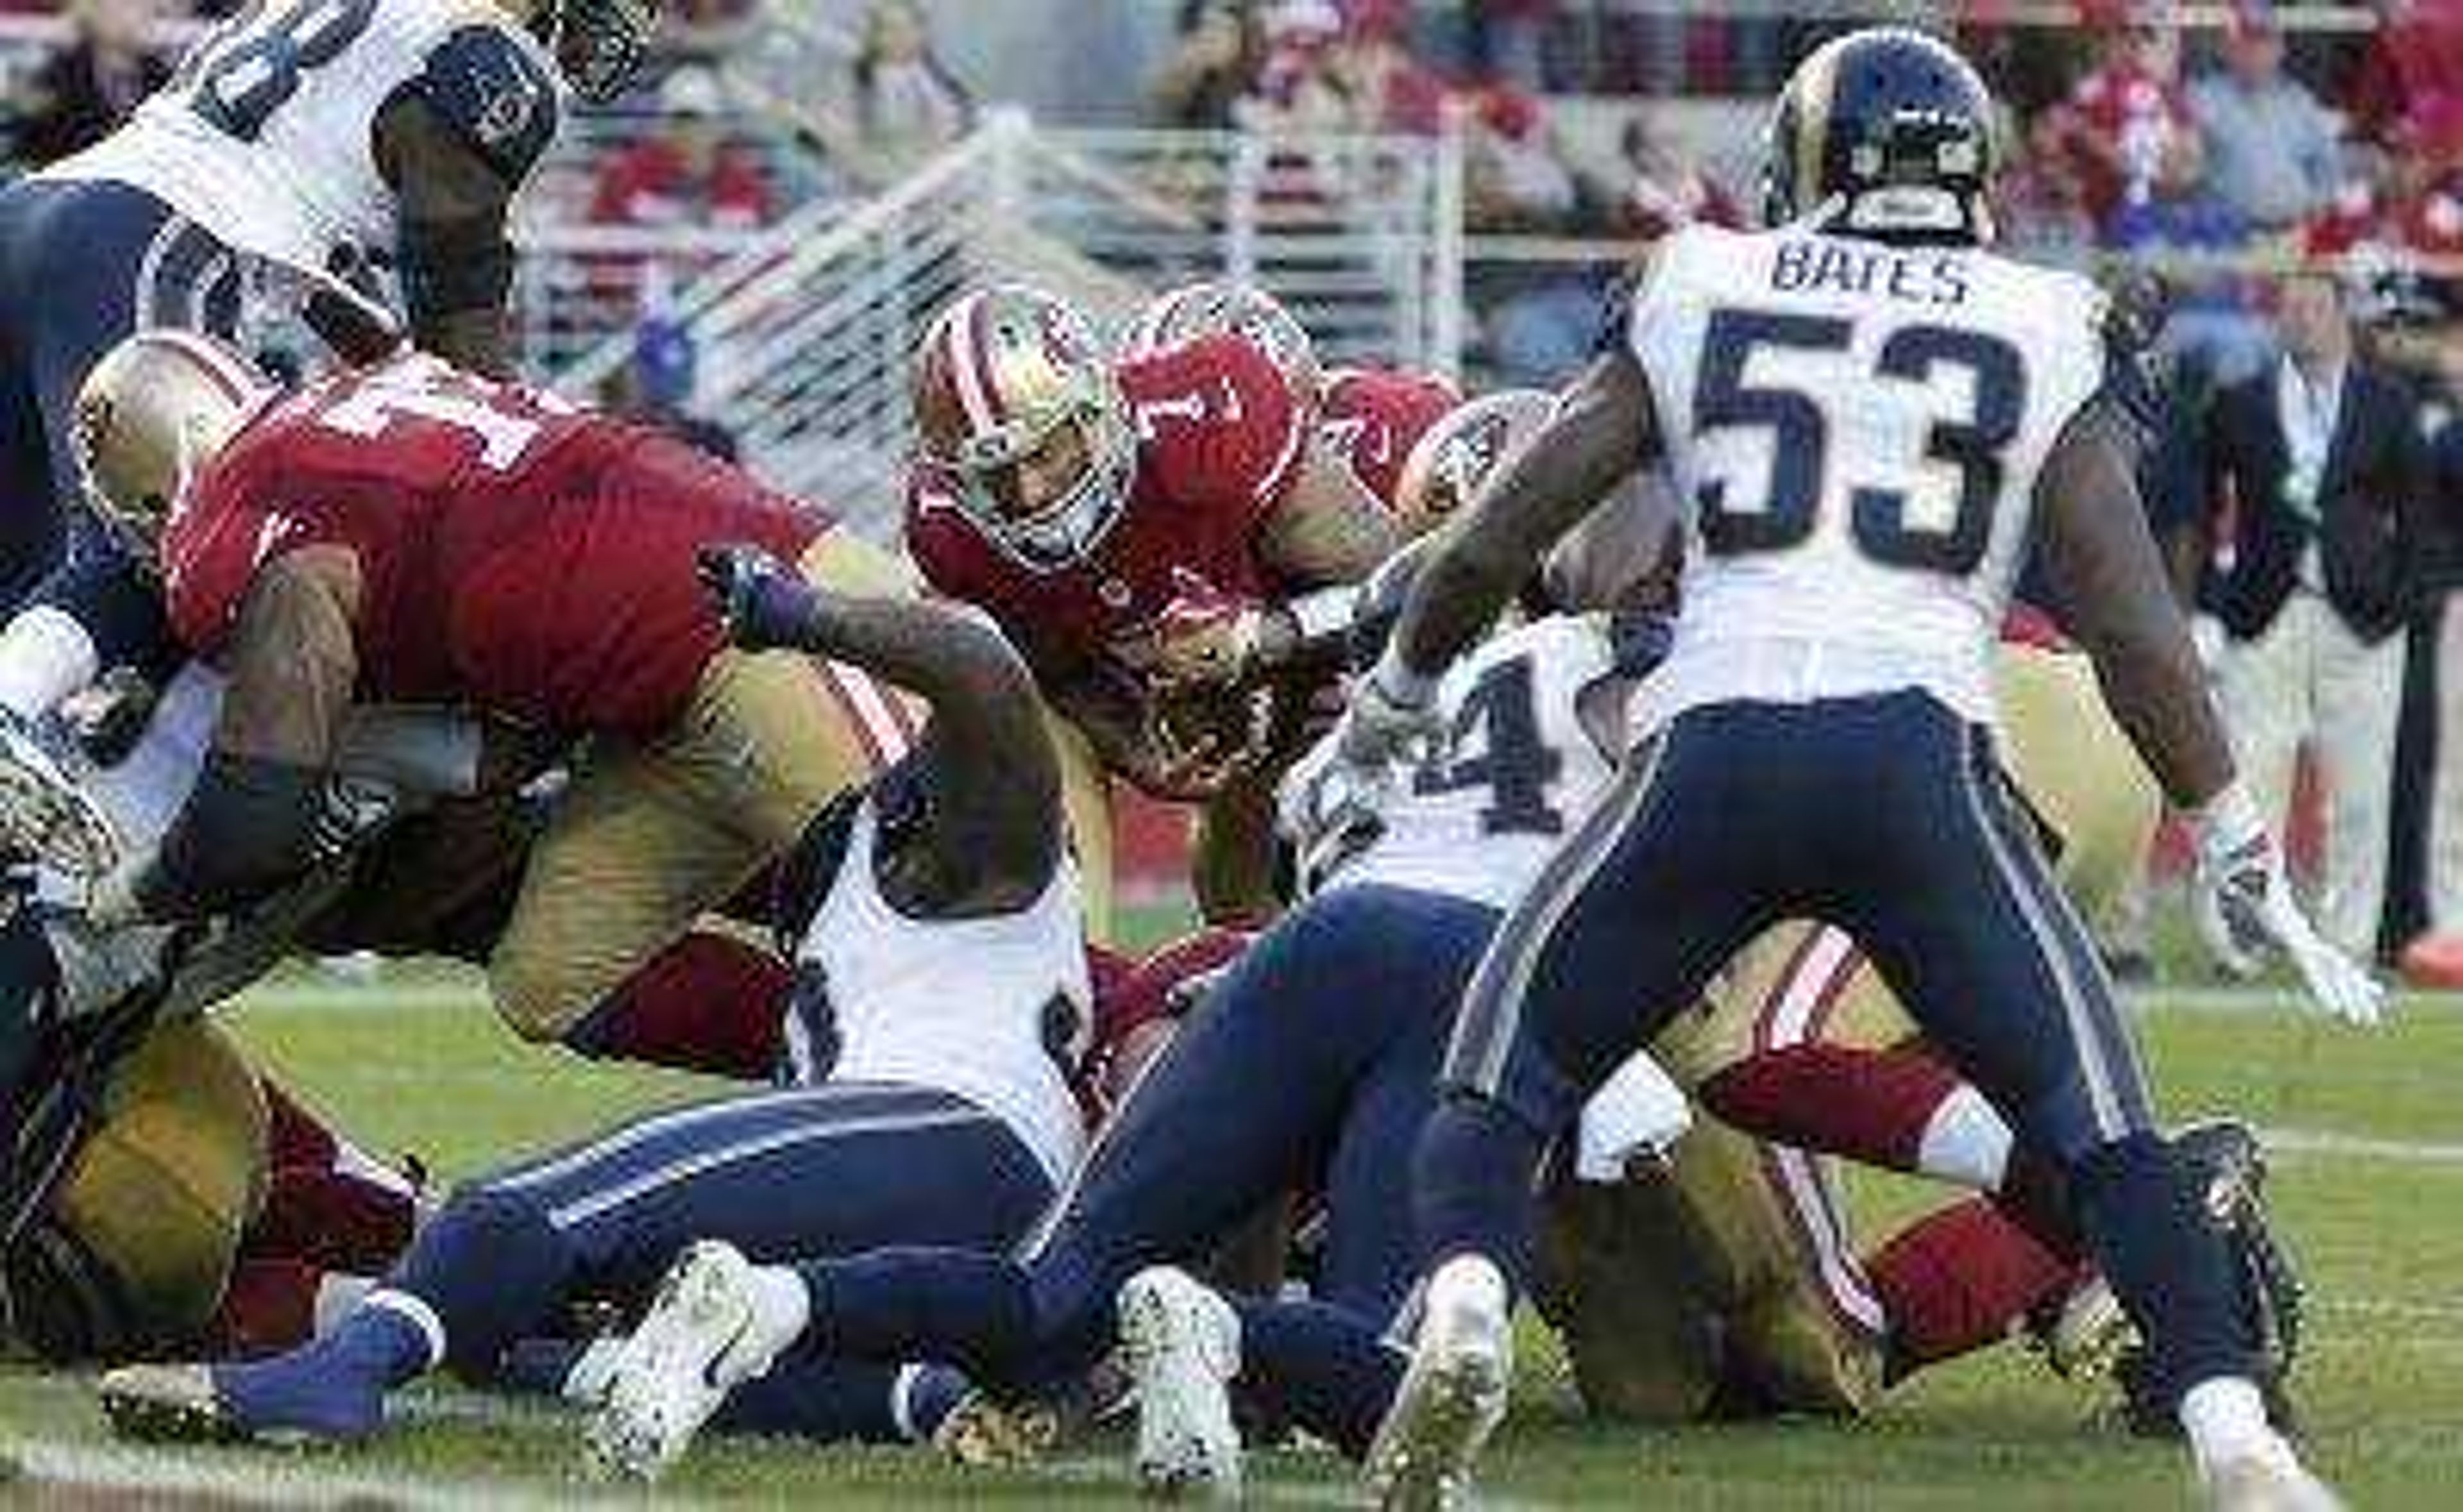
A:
[1885,133]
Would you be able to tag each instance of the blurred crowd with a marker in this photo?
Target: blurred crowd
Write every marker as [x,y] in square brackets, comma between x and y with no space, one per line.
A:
[2309,485]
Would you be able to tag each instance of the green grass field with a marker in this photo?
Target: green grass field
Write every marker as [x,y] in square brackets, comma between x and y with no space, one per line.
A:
[2369,1187]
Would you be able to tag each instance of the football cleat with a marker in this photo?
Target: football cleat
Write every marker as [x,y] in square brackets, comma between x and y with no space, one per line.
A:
[2272,1479]
[1181,1344]
[170,1404]
[706,1333]
[1453,1393]
[2225,1167]
[984,1433]
[2084,1333]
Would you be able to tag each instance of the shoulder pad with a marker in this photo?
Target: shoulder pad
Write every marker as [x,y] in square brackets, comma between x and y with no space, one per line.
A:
[496,94]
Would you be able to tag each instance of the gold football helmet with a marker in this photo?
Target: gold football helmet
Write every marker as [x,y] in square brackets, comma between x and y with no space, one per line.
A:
[1451,460]
[148,415]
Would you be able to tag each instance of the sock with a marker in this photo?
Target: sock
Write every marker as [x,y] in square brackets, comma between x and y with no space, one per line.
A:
[1473,1179]
[270,1306]
[2225,1419]
[2165,1263]
[1318,1366]
[1957,1280]
[973,1310]
[1868,1106]
[707,1002]
[336,1219]
[493,1268]
[335,1386]
[1966,1140]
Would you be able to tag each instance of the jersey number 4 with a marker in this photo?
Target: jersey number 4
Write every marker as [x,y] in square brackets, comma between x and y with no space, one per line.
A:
[1497,743]
[1942,526]
[243,70]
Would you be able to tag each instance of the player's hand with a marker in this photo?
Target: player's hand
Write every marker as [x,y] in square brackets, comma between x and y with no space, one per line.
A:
[760,601]
[2245,908]
[1391,719]
[1330,810]
[44,814]
[1204,638]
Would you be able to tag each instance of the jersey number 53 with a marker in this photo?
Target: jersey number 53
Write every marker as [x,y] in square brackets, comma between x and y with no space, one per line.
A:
[1767,369]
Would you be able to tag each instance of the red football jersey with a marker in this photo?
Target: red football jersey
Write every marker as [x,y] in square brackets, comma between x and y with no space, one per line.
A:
[1220,437]
[514,553]
[1373,417]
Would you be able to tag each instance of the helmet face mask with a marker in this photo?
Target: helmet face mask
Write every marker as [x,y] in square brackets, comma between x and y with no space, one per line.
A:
[1884,133]
[598,44]
[1017,407]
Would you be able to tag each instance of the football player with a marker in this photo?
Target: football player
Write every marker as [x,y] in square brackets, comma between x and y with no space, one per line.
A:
[412,531]
[1822,727]
[942,1003]
[300,144]
[1147,531]
[159,1191]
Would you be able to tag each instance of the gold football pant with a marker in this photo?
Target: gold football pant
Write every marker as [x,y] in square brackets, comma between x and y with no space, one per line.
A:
[652,835]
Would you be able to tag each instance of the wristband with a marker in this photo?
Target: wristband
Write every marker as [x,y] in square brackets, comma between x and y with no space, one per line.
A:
[1321,617]
[1401,685]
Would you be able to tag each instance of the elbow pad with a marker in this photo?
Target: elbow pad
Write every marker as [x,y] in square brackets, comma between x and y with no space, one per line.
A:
[249,827]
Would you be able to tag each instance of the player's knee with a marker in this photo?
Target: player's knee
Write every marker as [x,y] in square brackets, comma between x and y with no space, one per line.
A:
[537,1002]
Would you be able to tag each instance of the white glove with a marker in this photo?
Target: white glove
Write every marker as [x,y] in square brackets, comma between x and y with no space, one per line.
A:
[1392,714]
[1330,810]
[2245,907]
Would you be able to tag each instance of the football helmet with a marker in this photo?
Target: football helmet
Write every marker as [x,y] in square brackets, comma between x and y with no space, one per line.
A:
[1016,406]
[1213,308]
[598,44]
[149,414]
[1447,463]
[1885,133]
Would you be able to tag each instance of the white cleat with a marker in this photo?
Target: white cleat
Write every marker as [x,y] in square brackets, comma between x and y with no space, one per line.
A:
[704,1335]
[2267,1481]
[1453,1394]
[1181,1344]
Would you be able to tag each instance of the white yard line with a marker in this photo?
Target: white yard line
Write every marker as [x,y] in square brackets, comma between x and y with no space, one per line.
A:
[2329,1144]
[147,1475]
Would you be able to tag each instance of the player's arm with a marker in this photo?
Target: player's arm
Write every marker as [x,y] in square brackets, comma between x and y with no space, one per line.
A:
[455,144]
[2118,605]
[1603,427]
[991,778]
[1330,528]
[2117,602]
[251,824]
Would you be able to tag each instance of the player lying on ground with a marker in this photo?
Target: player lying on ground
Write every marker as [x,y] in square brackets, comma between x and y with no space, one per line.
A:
[941,1002]
[410,531]
[1823,727]
[160,1192]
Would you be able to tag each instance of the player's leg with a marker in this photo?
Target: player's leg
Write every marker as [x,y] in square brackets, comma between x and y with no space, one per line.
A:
[136,1246]
[1245,1103]
[607,1217]
[1648,896]
[1965,922]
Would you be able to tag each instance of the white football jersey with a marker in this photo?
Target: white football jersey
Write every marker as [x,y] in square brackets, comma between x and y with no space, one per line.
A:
[966,1005]
[1854,431]
[1517,769]
[266,135]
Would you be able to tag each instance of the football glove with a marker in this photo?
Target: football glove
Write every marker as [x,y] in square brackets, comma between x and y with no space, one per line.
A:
[1329,810]
[2245,908]
[1392,716]
[45,816]
[761,602]
[1203,638]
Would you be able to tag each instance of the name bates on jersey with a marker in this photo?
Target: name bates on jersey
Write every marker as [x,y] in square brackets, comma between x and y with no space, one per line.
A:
[1856,431]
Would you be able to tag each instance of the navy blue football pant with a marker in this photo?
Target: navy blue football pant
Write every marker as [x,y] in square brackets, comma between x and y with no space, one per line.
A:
[1888,817]
[832,1170]
[83,266]
[1314,1061]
